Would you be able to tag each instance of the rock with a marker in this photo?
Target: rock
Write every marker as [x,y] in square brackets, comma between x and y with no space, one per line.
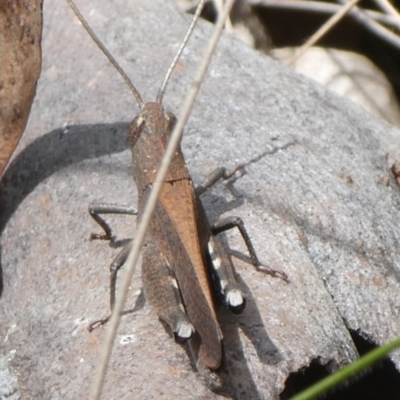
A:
[350,75]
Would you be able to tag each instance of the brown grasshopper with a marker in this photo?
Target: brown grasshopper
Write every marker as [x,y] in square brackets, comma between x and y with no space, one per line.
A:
[184,264]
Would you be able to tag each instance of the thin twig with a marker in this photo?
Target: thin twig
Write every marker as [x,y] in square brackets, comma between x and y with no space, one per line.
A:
[362,18]
[196,16]
[323,8]
[325,28]
[387,7]
[219,5]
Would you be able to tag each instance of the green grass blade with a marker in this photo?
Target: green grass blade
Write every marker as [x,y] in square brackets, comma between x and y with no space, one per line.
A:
[346,372]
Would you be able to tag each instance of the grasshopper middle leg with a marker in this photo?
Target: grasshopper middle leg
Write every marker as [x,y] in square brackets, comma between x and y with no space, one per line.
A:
[117,263]
[223,268]
[95,210]
[227,223]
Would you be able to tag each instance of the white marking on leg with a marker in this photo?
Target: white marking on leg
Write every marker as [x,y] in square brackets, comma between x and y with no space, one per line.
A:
[211,249]
[185,330]
[234,298]
[217,263]
[224,282]
[174,283]
[214,257]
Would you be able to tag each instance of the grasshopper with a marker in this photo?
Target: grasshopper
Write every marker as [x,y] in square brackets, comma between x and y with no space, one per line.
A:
[185,267]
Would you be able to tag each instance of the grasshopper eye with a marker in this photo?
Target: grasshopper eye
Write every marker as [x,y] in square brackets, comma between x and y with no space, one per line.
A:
[170,118]
[135,129]
[138,121]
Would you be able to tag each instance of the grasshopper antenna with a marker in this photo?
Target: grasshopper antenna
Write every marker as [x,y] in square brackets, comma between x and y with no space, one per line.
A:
[189,32]
[112,60]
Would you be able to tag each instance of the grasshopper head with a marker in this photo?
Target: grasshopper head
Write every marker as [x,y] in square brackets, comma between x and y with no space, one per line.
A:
[154,123]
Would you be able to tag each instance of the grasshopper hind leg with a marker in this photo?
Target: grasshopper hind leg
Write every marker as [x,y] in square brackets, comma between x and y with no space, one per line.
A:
[162,292]
[225,277]
[227,223]
[95,210]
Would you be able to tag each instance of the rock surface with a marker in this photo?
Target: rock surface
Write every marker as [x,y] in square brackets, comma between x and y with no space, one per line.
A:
[318,200]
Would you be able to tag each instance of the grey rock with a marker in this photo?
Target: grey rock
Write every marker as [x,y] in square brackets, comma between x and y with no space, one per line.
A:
[8,381]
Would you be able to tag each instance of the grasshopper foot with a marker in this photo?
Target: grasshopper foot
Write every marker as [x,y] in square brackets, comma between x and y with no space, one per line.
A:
[273,272]
[101,236]
[95,324]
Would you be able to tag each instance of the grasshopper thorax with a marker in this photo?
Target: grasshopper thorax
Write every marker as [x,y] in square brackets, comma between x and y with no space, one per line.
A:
[148,136]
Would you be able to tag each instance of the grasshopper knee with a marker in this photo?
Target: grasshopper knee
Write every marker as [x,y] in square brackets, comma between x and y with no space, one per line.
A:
[226,282]
[162,293]
[235,300]
[183,330]
[177,317]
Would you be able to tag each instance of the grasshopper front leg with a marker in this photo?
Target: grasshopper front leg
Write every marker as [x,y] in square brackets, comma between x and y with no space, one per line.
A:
[95,209]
